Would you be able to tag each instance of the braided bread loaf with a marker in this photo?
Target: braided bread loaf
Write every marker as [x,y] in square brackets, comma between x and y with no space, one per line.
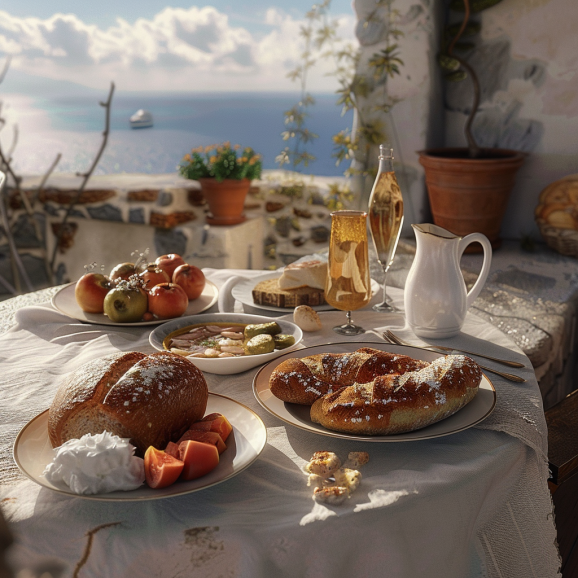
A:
[305,380]
[373,392]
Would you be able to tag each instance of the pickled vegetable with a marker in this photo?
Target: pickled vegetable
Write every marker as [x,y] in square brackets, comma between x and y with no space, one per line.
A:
[263,343]
[271,328]
[283,340]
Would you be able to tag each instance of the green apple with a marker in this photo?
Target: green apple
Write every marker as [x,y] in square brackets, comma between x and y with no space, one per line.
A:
[125,304]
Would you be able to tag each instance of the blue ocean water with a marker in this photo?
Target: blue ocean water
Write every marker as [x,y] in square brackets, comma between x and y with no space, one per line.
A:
[72,125]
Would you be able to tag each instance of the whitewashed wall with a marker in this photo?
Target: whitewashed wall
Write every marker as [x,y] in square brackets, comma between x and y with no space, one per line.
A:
[527,59]
[528,63]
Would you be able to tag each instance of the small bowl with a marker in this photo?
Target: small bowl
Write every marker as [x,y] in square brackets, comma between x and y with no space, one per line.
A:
[226,365]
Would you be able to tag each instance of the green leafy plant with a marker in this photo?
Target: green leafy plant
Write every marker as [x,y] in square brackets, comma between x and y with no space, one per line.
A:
[220,162]
[316,33]
[456,66]
[322,42]
[355,87]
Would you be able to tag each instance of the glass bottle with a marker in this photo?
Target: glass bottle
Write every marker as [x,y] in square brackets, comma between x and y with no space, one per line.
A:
[385,218]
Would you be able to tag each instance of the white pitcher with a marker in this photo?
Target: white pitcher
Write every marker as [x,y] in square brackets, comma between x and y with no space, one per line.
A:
[436,298]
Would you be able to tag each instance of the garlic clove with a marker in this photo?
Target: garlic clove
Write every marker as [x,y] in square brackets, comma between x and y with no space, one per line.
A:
[307,318]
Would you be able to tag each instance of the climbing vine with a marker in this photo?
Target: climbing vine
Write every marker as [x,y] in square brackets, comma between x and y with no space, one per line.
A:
[322,42]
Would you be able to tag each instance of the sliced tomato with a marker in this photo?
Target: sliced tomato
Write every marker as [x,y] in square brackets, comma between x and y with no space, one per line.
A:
[221,426]
[172,449]
[215,422]
[199,458]
[161,469]
[208,437]
[201,426]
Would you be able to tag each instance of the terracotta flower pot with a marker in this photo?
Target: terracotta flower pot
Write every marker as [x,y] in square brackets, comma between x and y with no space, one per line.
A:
[470,195]
[226,200]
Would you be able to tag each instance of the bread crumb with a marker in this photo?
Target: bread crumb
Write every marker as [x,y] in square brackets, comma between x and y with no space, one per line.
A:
[333,495]
[356,460]
[333,483]
[323,464]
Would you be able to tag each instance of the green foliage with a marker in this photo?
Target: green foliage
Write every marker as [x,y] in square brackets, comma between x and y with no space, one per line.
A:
[452,35]
[382,65]
[386,62]
[456,76]
[448,63]
[321,42]
[338,197]
[221,162]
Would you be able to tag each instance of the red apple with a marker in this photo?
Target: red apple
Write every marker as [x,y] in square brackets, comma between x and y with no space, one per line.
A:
[167,300]
[168,263]
[152,276]
[122,271]
[90,291]
[191,279]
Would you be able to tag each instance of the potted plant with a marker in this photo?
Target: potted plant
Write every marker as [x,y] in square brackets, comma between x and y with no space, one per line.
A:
[225,173]
[468,188]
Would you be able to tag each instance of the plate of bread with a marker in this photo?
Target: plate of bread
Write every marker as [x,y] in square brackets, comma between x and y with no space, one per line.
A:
[375,392]
[150,400]
[300,283]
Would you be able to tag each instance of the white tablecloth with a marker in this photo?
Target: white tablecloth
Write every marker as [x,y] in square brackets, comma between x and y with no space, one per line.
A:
[471,504]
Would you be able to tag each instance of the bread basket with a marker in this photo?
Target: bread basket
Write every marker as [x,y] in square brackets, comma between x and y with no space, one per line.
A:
[557,215]
[565,241]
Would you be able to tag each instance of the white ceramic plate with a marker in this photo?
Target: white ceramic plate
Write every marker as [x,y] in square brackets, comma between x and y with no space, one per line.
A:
[243,292]
[65,302]
[226,365]
[298,415]
[33,452]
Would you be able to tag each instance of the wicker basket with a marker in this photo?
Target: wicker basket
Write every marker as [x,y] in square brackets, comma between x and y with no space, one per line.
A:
[565,241]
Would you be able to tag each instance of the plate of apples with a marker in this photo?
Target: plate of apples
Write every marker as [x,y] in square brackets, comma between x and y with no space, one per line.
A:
[138,293]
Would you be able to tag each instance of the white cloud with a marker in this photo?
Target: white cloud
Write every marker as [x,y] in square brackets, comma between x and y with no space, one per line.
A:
[181,49]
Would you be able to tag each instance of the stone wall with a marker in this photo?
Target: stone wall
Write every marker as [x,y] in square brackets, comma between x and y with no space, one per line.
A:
[288,216]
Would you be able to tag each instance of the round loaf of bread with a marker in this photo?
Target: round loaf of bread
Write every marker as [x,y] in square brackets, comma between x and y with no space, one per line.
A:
[151,399]
[305,380]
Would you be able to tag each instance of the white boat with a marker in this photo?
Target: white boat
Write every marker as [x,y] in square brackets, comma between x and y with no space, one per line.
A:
[141,119]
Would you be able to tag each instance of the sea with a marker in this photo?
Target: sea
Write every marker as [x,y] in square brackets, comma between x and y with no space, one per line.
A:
[72,124]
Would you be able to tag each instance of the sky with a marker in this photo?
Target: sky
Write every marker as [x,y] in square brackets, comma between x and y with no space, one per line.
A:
[221,45]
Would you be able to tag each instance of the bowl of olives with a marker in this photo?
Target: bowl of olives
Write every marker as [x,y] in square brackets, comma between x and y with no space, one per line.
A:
[227,343]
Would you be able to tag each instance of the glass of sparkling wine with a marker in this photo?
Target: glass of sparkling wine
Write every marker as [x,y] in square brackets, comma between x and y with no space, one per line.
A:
[385,218]
[348,284]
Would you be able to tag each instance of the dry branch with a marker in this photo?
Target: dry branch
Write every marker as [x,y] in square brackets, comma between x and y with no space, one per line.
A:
[85,175]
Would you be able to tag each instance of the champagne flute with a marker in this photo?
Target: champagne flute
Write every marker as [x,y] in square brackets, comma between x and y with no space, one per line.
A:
[385,219]
[348,284]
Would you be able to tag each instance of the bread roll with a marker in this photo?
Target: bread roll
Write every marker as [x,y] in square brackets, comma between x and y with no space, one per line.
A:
[151,399]
[373,392]
[393,404]
[305,380]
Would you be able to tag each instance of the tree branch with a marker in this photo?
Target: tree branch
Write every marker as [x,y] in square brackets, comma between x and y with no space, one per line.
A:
[5,69]
[85,175]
